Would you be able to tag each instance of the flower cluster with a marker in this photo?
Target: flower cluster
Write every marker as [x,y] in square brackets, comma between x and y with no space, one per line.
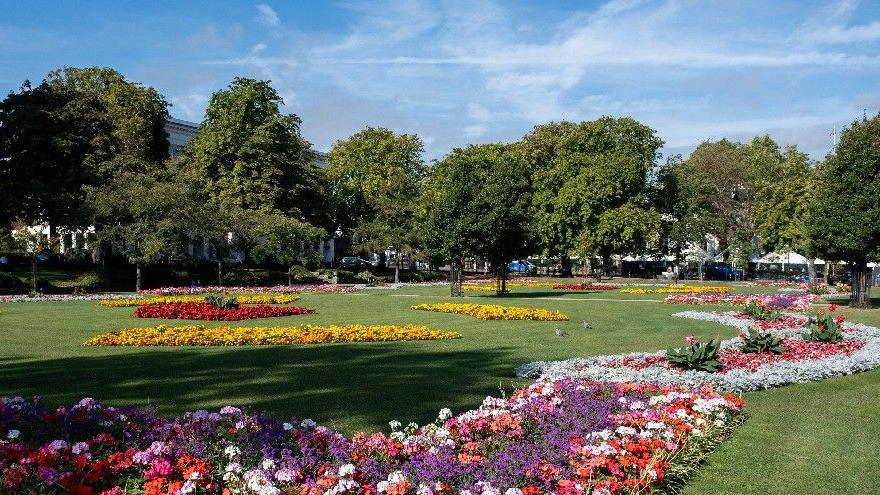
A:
[585,287]
[557,436]
[206,311]
[162,335]
[485,286]
[284,289]
[679,289]
[800,360]
[62,297]
[146,301]
[790,302]
[494,311]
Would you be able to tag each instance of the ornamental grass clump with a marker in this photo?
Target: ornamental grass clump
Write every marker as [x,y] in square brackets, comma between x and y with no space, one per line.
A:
[824,327]
[700,356]
[221,301]
[761,312]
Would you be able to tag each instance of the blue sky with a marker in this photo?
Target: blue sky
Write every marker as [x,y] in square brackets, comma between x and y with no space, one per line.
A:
[459,72]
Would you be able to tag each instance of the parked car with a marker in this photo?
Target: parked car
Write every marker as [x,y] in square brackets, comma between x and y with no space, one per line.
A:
[523,267]
[350,262]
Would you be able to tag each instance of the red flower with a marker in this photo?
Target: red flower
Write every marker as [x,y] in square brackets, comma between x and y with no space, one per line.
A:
[832,308]
[205,311]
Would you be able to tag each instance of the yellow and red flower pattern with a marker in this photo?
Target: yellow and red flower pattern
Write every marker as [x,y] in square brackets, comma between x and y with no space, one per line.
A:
[494,311]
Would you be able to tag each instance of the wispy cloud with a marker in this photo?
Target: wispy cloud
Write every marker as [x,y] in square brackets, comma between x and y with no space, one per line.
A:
[267,16]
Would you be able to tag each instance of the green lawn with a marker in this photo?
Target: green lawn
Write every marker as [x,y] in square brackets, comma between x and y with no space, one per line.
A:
[812,438]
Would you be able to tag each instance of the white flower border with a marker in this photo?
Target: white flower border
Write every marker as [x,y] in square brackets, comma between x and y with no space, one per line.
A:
[738,380]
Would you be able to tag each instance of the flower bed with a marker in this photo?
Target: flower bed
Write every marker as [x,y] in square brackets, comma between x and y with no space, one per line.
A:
[492,287]
[147,301]
[62,297]
[493,311]
[284,289]
[679,289]
[790,302]
[206,311]
[162,335]
[801,361]
[585,287]
[565,437]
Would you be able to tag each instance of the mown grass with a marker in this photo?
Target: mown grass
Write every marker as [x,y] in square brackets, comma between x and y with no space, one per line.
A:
[812,438]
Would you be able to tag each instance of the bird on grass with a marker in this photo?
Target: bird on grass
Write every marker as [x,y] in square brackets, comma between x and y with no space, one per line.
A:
[560,332]
[586,325]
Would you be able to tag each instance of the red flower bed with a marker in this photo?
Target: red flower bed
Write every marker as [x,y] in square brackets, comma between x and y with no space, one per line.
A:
[784,321]
[205,311]
[795,350]
[585,287]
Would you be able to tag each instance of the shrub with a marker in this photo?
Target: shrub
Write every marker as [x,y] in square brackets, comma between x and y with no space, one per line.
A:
[10,284]
[756,342]
[700,356]
[221,301]
[824,327]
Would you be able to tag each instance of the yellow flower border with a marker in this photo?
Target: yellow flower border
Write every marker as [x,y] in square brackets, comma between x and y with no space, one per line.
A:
[679,289]
[493,311]
[145,301]
[492,287]
[201,335]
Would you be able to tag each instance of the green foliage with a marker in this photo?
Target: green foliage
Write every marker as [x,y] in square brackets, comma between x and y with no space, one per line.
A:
[825,328]
[755,341]
[758,312]
[221,301]
[253,157]
[284,240]
[699,356]
[477,204]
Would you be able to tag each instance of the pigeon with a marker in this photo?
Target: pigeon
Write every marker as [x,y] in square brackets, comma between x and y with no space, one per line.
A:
[586,325]
[560,332]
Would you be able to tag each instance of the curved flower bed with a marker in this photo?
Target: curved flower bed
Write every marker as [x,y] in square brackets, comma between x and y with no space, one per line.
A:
[162,335]
[205,311]
[172,291]
[146,301]
[565,436]
[493,311]
[585,287]
[800,362]
[679,289]
[62,297]
[791,302]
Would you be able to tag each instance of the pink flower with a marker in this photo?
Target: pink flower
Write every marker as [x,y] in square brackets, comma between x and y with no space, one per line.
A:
[690,339]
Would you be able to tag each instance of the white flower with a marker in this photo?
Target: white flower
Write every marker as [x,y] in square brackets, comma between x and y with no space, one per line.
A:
[308,423]
[58,445]
[346,470]
[188,487]
[394,424]
[268,464]
[513,491]
[287,426]
[445,414]
[232,451]
[79,448]
[13,434]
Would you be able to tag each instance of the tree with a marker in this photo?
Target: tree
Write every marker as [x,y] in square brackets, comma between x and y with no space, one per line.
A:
[253,157]
[845,214]
[538,150]
[630,228]
[33,243]
[480,207]
[147,216]
[284,240]
[57,137]
[596,167]
[376,179]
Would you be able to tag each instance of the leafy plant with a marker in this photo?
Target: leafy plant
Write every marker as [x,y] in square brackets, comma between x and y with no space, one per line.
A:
[757,342]
[757,311]
[700,356]
[825,327]
[818,289]
[221,301]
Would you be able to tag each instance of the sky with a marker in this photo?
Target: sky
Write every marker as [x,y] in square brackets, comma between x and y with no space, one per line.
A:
[478,71]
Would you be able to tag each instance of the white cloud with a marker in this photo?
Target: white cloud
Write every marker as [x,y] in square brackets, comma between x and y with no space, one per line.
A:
[267,16]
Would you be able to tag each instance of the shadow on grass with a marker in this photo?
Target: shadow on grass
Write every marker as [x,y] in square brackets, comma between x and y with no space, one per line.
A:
[345,386]
[844,300]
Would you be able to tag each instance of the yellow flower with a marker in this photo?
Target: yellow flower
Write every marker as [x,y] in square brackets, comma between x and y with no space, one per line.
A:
[493,311]
[200,335]
[679,289]
[144,301]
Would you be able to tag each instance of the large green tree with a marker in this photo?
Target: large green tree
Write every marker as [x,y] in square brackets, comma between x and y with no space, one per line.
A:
[478,205]
[844,217]
[595,168]
[376,178]
[57,137]
[147,216]
[252,156]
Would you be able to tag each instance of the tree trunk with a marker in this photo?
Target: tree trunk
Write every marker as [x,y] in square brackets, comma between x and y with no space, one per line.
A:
[811,269]
[220,272]
[34,274]
[859,285]
[565,265]
[290,275]
[501,287]
[397,267]
[383,261]
[827,271]
[138,276]
[455,278]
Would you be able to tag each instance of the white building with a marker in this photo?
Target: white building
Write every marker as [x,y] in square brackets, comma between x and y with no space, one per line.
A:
[180,132]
